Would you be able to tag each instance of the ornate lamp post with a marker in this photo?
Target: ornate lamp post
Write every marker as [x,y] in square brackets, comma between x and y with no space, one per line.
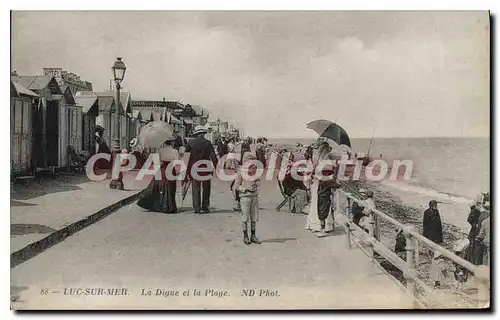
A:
[118,69]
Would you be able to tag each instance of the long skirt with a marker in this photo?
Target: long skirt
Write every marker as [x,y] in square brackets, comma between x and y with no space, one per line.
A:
[313,223]
[159,196]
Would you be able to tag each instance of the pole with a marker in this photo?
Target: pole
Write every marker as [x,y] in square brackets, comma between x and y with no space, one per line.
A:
[371,141]
[116,183]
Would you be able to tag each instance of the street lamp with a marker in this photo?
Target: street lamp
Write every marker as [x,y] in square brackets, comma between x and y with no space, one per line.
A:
[118,69]
[218,124]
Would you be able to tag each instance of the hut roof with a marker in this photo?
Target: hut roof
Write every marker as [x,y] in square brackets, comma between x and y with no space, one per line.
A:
[21,90]
[37,83]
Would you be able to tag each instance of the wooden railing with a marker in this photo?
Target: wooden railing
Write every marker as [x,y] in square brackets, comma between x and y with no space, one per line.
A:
[369,244]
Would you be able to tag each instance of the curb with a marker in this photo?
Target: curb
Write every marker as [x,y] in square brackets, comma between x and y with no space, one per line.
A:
[54,238]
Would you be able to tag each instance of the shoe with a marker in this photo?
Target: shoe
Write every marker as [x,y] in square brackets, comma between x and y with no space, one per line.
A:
[237,208]
[197,211]
[205,210]
[246,240]
[321,234]
[254,239]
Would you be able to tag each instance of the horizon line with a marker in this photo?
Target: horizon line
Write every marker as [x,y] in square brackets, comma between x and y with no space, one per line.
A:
[400,137]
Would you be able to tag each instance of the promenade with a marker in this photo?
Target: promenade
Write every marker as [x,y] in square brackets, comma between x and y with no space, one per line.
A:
[174,255]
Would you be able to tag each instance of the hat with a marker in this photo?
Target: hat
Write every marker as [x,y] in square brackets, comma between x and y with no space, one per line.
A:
[133,142]
[486,205]
[362,191]
[247,156]
[199,130]
[369,193]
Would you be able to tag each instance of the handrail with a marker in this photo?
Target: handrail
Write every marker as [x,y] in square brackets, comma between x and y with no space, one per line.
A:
[412,239]
[447,253]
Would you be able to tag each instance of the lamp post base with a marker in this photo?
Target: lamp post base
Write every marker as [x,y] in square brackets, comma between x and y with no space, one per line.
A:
[116,184]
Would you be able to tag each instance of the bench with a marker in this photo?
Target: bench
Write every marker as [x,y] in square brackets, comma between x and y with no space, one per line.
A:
[24,179]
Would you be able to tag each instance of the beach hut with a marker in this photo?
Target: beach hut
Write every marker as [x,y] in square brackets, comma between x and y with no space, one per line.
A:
[90,110]
[106,116]
[23,105]
[49,120]
[70,133]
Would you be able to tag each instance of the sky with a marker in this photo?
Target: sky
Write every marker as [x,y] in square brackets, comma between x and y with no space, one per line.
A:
[398,74]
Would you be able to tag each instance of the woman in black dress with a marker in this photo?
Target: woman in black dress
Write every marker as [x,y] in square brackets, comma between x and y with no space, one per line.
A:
[160,194]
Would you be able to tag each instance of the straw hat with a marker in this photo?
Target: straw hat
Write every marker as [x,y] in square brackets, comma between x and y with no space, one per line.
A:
[200,130]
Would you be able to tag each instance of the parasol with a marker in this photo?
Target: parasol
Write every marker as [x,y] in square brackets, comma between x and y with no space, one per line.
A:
[330,130]
[154,134]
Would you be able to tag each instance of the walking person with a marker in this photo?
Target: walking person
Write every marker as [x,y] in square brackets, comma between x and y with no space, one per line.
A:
[476,216]
[160,194]
[433,228]
[200,149]
[248,187]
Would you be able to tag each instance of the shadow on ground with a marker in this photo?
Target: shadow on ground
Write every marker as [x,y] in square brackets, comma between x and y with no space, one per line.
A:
[21,229]
[46,186]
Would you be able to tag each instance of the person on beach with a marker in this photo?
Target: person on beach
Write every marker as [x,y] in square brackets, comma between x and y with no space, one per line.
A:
[433,228]
[474,251]
[248,187]
[482,241]
[367,206]
[160,194]
[200,149]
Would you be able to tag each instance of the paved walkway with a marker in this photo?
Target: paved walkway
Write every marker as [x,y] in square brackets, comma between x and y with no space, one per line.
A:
[138,250]
[40,209]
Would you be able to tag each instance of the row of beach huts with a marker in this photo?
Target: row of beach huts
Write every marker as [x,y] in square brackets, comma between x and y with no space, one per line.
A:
[56,112]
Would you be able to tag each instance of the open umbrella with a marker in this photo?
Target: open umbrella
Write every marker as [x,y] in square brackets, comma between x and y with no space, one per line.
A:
[330,130]
[154,134]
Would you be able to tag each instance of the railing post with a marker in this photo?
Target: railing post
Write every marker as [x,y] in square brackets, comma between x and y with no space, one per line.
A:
[483,278]
[349,218]
[417,251]
[409,271]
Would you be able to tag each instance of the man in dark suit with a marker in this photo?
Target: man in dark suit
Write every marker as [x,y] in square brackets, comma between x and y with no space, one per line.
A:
[200,149]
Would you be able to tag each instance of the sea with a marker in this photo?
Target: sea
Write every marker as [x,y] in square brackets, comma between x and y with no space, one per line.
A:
[453,168]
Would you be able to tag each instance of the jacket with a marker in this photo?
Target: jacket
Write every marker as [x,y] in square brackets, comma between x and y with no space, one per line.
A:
[200,149]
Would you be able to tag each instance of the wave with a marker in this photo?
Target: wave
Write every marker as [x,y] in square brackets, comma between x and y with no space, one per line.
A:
[414,188]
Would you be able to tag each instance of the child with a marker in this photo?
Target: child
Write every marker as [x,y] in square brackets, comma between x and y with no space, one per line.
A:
[248,188]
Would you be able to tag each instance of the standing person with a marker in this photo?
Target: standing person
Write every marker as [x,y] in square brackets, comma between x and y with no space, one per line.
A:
[261,152]
[248,187]
[200,149]
[484,239]
[101,147]
[474,251]
[245,147]
[178,143]
[479,243]
[319,220]
[222,147]
[160,194]
[433,229]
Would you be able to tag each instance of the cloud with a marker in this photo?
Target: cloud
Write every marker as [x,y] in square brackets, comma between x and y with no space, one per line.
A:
[408,74]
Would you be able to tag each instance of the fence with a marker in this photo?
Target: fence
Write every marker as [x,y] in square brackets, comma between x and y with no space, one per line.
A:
[370,243]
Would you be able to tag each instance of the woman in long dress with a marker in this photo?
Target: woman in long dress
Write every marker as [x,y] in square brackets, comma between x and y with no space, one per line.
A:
[160,194]
[317,207]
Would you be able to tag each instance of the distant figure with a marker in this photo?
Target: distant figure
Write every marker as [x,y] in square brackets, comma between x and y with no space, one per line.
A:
[200,149]
[261,152]
[381,155]
[178,143]
[245,147]
[400,248]
[483,237]
[433,228]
